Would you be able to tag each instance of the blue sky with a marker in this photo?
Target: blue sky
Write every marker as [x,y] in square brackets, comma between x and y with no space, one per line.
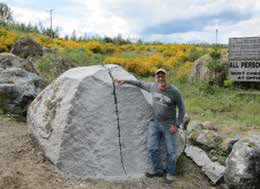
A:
[168,21]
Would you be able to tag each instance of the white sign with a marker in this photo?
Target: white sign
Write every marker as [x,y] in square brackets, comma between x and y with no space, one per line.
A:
[245,70]
[244,59]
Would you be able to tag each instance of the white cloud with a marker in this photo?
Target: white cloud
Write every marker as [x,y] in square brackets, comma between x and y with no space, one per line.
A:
[131,17]
[95,18]
[248,28]
[187,37]
[27,15]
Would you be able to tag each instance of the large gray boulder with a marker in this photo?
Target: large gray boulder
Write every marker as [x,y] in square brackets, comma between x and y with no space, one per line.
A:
[9,60]
[90,127]
[200,69]
[243,164]
[18,88]
[26,47]
[201,72]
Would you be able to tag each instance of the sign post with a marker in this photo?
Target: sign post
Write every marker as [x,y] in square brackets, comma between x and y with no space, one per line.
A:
[244,59]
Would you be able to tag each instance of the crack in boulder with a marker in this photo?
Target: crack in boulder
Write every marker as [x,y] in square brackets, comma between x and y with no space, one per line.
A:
[118,122]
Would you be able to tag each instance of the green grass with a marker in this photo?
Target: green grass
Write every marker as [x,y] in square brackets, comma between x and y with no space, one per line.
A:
[51,65]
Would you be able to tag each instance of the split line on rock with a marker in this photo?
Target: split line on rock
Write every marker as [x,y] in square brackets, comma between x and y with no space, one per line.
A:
[118,123]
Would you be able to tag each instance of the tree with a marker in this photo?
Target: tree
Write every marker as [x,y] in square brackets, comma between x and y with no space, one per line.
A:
[73,35]
[6,14]
[85,37]
[66,37]
[108,39]
[139,42]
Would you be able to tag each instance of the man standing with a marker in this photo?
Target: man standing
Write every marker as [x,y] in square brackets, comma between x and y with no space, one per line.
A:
[165,122]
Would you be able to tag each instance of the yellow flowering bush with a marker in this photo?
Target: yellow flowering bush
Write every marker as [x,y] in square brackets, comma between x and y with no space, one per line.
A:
[169,52]
[142,65]
[182,56]
[116,60]
[110,47]
[137,58]
[95,47]
[7,39]
[172,62]
[184,71]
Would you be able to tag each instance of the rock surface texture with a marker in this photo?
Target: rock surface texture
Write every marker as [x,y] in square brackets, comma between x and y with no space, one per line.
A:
[243,164]
[213,170]
[206,139]
[201,72]
[25,47]
[18,88]
[90,127]
[194,126]
[9,60]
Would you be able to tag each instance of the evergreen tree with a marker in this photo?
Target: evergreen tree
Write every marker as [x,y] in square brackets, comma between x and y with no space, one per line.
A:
[66,37]
[73,35]
[6,14]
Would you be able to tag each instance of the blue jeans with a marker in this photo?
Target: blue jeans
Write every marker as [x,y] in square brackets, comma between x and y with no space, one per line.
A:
[159,130]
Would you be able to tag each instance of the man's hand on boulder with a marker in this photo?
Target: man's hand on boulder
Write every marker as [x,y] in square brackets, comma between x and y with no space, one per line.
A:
[119,81]
[173,129]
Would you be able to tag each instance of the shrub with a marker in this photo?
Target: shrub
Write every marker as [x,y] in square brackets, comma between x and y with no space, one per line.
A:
[169,52]
[51,65]
[7,39]
[228,83]
[216,66]
[215,54]
[196,52]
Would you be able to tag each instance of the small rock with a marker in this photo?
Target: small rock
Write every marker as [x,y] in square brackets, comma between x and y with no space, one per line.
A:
[193,125]
[224,186]
[213,170]
[186,121]
[212,151]
[228,144]
[206,139]
[209,125]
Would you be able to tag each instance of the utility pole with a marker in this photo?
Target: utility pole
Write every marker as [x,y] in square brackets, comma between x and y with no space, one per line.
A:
[216,37]
[51,10]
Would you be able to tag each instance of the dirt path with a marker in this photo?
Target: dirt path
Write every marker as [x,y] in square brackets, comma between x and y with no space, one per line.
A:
[22,167]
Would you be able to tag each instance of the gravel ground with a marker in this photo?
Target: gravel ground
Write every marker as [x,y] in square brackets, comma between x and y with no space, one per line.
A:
[23,167]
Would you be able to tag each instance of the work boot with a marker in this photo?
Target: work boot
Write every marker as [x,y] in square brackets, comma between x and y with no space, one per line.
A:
[155,174]
[169,179]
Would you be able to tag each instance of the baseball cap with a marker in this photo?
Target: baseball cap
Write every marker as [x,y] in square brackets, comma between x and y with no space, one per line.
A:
[161,70]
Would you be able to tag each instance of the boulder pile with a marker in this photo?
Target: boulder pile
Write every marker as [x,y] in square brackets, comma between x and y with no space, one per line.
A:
[19,84]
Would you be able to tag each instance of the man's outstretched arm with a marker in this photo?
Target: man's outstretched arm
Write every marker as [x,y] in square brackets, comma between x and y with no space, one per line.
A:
[143,85]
